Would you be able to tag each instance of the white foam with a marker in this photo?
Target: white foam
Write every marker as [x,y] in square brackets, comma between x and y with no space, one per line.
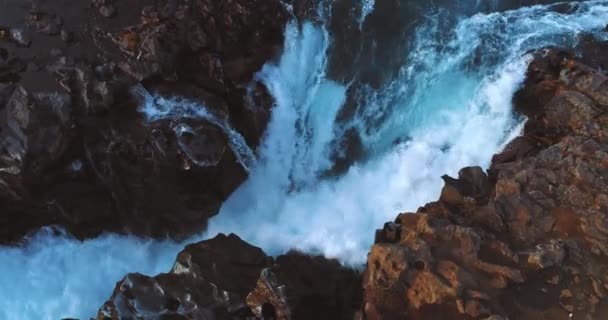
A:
[367,7]
[156,107]
[453,115]
[333,217]
[452,100]
[56,276]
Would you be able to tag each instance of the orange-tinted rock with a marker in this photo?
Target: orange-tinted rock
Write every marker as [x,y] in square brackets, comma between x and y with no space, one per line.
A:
[530,241]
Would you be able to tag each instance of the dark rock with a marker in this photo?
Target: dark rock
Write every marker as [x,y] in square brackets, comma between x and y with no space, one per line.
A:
[591,52]
[10,68]
[44,23]
[34,131]
[472,182]
[55,52]
[108,168]
[107,11]
[203,145]
[517,149]
[226,278]
[34,134]
[106,8]
[318,288]
[208,279]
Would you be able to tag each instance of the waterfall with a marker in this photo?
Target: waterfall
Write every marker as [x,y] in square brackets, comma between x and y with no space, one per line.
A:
[447,106]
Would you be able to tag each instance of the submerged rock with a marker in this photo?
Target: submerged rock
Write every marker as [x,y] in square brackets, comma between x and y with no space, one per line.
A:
[226,278]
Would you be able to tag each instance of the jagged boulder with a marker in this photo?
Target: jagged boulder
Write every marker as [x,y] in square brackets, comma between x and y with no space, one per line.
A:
[226,278]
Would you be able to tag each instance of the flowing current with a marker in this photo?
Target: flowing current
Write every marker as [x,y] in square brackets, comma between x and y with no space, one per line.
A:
[344,151]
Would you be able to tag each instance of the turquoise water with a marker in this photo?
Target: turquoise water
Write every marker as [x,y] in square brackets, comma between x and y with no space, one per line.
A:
[448,106]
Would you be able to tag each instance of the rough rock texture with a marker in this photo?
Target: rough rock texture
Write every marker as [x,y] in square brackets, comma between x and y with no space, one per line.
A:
[527,241]
[74,150]
[226,278]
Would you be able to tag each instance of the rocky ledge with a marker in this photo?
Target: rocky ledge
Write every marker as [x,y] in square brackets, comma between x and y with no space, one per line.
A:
[74,150]
[526,240]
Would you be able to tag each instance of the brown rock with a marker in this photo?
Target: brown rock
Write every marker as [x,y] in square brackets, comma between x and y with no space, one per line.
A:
[269,299]
[427,289]
[547,255]
[528,242]
[475,309]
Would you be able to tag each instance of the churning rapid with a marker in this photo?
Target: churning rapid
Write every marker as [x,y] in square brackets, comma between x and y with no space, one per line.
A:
[345,150]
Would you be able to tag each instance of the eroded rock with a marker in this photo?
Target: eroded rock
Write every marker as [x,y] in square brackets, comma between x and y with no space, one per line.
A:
[526,242]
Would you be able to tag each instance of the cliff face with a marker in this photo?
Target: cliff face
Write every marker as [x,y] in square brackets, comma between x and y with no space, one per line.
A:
[527,241]
[75,152]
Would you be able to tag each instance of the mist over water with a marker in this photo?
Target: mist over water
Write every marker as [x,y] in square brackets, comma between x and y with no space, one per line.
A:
[448,105]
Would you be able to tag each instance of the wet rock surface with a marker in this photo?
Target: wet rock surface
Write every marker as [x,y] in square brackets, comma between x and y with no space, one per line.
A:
[528,239]
[74,150]
[226,278]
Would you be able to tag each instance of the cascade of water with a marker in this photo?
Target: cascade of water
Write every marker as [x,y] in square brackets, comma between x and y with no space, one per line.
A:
[449,107]
[157,107]
[367,6]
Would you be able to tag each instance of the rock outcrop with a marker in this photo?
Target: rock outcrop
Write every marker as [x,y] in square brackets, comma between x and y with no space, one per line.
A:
[226,278]
[74,150]
[528,239]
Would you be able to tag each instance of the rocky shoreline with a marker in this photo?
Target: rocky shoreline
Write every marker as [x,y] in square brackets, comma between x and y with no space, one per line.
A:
[528,239]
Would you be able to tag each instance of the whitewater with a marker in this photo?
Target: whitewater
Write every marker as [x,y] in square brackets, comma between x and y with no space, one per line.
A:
[448,106]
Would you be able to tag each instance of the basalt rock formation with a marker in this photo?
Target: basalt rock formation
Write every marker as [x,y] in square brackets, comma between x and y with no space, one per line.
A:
[226,278]
[74,150]
[528,239]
